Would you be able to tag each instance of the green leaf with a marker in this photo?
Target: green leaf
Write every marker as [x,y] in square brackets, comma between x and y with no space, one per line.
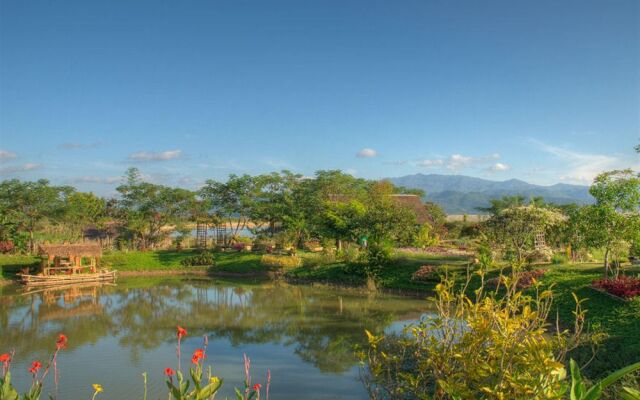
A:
[577,386]
[630,394]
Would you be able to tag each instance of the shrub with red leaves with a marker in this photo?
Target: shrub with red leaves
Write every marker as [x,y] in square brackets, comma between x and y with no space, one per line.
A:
[6,246]
[623,286]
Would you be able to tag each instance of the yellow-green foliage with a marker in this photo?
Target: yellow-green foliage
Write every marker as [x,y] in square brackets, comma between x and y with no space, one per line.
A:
[280,262]
[483,346]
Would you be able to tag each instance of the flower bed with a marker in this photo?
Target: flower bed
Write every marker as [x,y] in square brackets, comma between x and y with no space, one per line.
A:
[625,287]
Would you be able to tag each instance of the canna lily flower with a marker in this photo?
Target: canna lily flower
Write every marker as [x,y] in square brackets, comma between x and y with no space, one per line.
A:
[168,372]
[181,332]
[197,356]
[256,387]
[35,367]
[214,380]
[5,359]
[61,343]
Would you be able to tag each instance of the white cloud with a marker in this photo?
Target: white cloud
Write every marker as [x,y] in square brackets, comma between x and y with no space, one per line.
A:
[430,163]
[96,179]
[156,156]
[20,168]
[500,167]
[582,167]
[7,155]
[455,162]
[366,153]
[75,146]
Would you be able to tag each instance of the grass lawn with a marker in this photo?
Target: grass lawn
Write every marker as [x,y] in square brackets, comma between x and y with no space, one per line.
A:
[11,265]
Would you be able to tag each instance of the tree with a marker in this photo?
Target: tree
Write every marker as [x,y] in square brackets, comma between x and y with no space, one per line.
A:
[24,205]
[615,216]
[233,200]
[83,210]
[497,205]
[515,228]
[149,208]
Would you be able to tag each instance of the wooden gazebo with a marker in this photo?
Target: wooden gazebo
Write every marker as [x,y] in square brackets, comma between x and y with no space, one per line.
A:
[61,258]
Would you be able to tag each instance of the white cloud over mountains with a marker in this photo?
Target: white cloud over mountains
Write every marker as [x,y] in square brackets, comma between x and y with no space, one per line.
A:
[456,162]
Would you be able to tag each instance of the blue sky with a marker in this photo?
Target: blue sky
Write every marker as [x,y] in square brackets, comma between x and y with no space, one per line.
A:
[544,91]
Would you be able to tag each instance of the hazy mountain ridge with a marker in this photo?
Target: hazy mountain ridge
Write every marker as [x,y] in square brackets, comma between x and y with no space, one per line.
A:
[459,194]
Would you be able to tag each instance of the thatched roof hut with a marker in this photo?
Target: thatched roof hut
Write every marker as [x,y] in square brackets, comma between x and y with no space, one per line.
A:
[414,203]
[70,250]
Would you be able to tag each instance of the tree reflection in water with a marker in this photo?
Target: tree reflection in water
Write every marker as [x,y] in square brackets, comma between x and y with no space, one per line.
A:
[321,325]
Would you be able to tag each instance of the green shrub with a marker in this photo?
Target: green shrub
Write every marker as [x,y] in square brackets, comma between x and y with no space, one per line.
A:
[475,346]
[273,261]
[559,258]
[204,258]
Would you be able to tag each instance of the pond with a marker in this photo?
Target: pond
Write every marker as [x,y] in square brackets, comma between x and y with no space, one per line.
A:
[304,334]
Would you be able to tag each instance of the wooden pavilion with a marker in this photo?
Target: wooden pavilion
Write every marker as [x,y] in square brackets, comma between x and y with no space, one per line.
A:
[67,258]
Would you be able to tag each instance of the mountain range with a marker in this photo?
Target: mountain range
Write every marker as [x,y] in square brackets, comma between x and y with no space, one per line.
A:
[459,194]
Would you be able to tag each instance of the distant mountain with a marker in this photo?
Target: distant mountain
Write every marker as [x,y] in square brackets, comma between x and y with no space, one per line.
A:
[459,194]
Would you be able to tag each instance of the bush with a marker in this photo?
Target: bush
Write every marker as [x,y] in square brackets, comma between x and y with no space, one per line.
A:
[377,256]
[264,244]
[559,258]
[426,273]
[6,246]
[273,261]
[204,258]
[317,259]
[539,256]
[479,347]
[525,279]
[623,286]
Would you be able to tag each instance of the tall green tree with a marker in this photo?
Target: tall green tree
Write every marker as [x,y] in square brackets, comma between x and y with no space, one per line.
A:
[233,200]
[84,210]
[26,205]
[615,217]
[515,228]
[148,209]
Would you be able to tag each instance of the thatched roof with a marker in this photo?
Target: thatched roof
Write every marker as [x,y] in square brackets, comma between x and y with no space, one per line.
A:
[414,203]
[67,250]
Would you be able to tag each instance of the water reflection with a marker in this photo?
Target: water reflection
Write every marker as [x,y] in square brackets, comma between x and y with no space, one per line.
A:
[289,325]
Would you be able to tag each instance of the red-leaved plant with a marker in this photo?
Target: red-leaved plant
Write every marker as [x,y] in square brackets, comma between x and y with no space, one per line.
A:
[623,286]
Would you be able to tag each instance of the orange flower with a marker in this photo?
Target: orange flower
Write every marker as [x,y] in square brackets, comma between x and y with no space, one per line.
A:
[181,332]
[256,387]
[35,366]
[197,356]
[61,343]
[168,372]
[6,357]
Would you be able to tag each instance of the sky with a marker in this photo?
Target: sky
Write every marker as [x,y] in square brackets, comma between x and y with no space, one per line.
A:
[543,91]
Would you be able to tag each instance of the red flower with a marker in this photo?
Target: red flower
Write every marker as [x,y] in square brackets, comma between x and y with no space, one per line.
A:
[61,343]
[168,372]
[6,357]
[35,366]
[256,387]
[199,353]
[181,332]
[195,359]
